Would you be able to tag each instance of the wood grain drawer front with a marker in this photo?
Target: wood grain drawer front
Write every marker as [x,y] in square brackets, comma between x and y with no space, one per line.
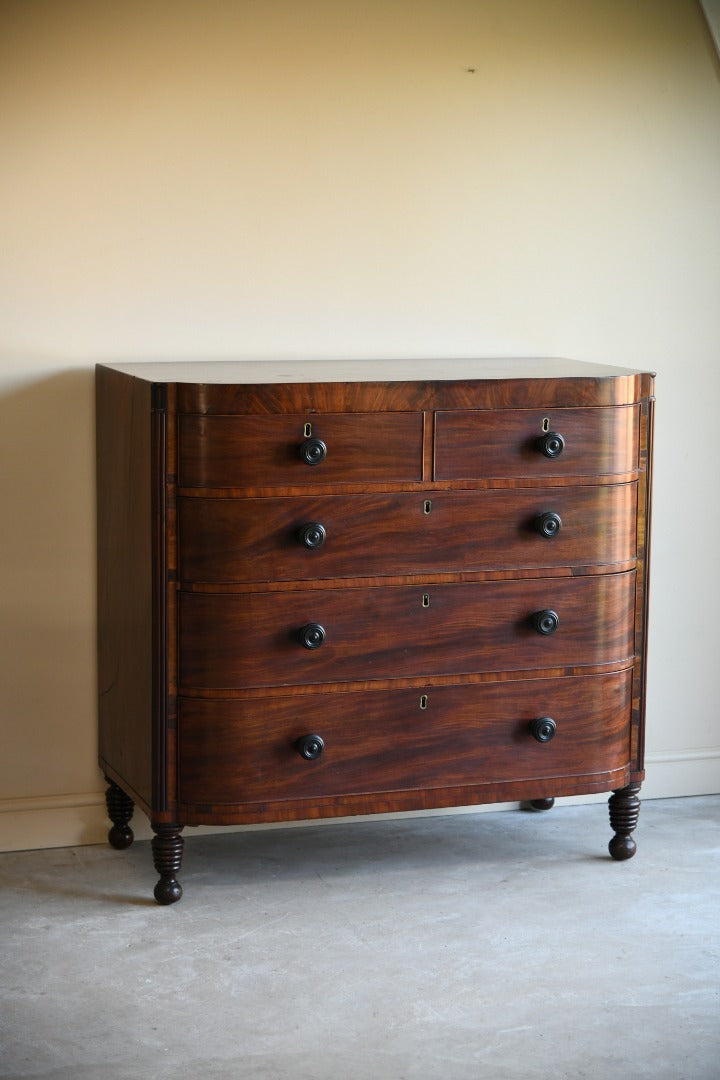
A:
[272,639]
[511,442]
[259,450]
[245,751]
[237,540]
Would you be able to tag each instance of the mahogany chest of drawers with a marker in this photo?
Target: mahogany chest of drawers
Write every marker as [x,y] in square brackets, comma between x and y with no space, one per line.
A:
[341,588]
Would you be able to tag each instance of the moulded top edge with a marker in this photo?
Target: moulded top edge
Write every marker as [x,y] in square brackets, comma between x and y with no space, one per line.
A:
[258,372]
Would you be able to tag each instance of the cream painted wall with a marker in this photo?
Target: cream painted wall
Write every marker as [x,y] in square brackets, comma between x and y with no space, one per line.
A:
[361,178]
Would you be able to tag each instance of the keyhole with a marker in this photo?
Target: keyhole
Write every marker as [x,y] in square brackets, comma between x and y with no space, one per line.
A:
[426,599]
[546,423]
[427,506]
[307,431]
[423,701]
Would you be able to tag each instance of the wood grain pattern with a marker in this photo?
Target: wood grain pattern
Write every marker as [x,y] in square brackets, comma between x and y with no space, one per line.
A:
[233,451]
[125,582]
[244,751]
[483,443]
[238,641]
[432,567]
[255,540]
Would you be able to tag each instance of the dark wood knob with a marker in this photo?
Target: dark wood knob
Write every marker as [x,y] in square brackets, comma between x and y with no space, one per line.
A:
[312,535]
[551,444]
[313,451]
[545,621]
[309,746]
[312,635]
[548,524]
[543,728]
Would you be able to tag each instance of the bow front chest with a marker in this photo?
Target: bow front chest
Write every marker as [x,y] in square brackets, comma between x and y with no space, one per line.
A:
[350,588]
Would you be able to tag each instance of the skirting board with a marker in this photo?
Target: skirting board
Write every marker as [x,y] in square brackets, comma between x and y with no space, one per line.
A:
[78,819]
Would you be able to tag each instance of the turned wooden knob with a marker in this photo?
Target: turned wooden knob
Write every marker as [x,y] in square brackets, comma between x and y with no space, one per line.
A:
[548,524]
[551,444]
[543,728]
[312,635]
[545,621]
[309,747]
[312,535]
[313,451]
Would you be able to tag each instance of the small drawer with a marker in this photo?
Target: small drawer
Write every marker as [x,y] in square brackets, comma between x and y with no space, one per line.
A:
[258,750]
[299,450]
[327,536]
[259,639]
[528,442]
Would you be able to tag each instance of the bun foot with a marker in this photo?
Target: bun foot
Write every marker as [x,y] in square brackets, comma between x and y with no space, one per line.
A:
[622,847]
[542,804]
[119,809]
[167,849]
[168,891]
[624,808]
[121,837]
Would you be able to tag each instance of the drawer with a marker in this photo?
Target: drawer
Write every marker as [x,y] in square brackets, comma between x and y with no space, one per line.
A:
[337,635]
[236,540]
[515,442]
[246,751]
[287,450]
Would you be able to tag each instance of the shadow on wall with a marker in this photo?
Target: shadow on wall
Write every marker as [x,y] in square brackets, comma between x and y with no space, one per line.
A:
[47,587]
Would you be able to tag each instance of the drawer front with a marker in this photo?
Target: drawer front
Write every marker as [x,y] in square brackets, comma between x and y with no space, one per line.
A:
[236,540]
[259,450]
[337,635]
[514,442]
[246,751]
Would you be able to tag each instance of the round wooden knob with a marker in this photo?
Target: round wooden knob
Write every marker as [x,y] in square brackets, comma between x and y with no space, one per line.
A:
[309,746]
[548,524]
[312,635]
[312,535]
[543,728]
[313,451]
[551,444]
[545,621]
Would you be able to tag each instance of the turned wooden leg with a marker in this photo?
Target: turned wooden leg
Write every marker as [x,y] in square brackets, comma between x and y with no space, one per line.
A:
[624,811]
[120,809]
[542,804]
[167,849]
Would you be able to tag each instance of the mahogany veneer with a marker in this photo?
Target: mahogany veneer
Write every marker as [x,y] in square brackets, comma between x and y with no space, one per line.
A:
[339,588]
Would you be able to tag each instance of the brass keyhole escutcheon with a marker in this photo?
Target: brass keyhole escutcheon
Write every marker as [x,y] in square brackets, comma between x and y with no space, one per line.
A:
[426,599]
[307,431]
[423,701]
[546,423]
[427,506]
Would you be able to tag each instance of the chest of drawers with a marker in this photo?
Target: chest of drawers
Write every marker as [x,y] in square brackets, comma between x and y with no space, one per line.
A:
[338,588]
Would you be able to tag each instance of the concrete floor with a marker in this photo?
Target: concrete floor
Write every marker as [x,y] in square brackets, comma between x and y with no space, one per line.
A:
[504,945]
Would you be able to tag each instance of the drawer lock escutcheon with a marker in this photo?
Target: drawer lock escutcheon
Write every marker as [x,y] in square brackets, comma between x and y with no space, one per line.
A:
[426,599]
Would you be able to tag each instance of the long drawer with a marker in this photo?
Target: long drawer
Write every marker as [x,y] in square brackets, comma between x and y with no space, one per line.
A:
[248,751]
[244,640]
[529,442]
[236,540]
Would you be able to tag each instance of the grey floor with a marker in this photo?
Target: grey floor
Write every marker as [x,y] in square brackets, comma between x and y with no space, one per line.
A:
[502,945]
